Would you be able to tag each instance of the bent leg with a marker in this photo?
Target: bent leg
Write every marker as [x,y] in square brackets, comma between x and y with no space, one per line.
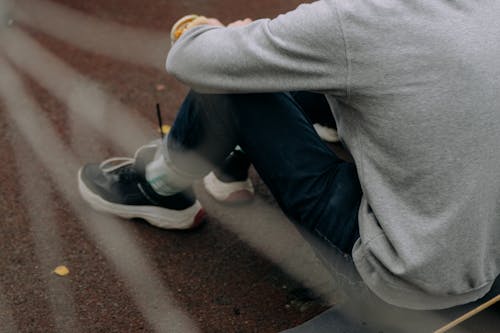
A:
[313,186]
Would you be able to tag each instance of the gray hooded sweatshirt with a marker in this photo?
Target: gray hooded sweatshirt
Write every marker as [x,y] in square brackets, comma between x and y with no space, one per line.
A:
[416,89]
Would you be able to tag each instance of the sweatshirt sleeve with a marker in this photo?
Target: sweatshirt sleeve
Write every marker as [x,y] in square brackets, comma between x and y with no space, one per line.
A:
[301,50]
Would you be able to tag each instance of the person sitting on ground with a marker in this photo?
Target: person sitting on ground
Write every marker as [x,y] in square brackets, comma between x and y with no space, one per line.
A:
[415,86]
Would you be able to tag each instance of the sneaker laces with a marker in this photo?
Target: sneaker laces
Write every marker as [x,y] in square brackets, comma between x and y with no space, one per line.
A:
[115,163]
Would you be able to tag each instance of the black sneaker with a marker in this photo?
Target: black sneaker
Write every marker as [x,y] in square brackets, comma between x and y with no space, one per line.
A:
[118,186]
[234,168]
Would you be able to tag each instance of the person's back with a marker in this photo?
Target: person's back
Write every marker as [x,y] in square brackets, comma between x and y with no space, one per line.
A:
[422,121]
[415,88]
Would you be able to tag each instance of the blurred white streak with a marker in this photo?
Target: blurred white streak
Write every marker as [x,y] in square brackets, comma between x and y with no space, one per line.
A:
[5,12]
[111,235]
[85,99]
[134,45]
[7,324]
[269,232]
[48,249]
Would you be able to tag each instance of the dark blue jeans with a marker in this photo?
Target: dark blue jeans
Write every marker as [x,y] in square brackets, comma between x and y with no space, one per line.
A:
[313,187]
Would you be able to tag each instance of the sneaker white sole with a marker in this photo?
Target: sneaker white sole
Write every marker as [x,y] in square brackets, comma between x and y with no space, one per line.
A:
[160,217]
[326,133]
[234,192]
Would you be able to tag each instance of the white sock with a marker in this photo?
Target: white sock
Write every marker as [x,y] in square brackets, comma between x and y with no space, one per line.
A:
[164,179]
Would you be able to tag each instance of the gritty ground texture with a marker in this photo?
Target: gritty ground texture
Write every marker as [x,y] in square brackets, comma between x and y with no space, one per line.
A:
[124,276]
[79,82]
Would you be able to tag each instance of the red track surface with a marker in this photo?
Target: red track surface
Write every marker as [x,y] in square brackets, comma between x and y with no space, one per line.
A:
[220,281]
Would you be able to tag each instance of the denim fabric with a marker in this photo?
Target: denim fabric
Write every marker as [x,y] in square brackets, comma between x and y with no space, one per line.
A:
[311,184]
